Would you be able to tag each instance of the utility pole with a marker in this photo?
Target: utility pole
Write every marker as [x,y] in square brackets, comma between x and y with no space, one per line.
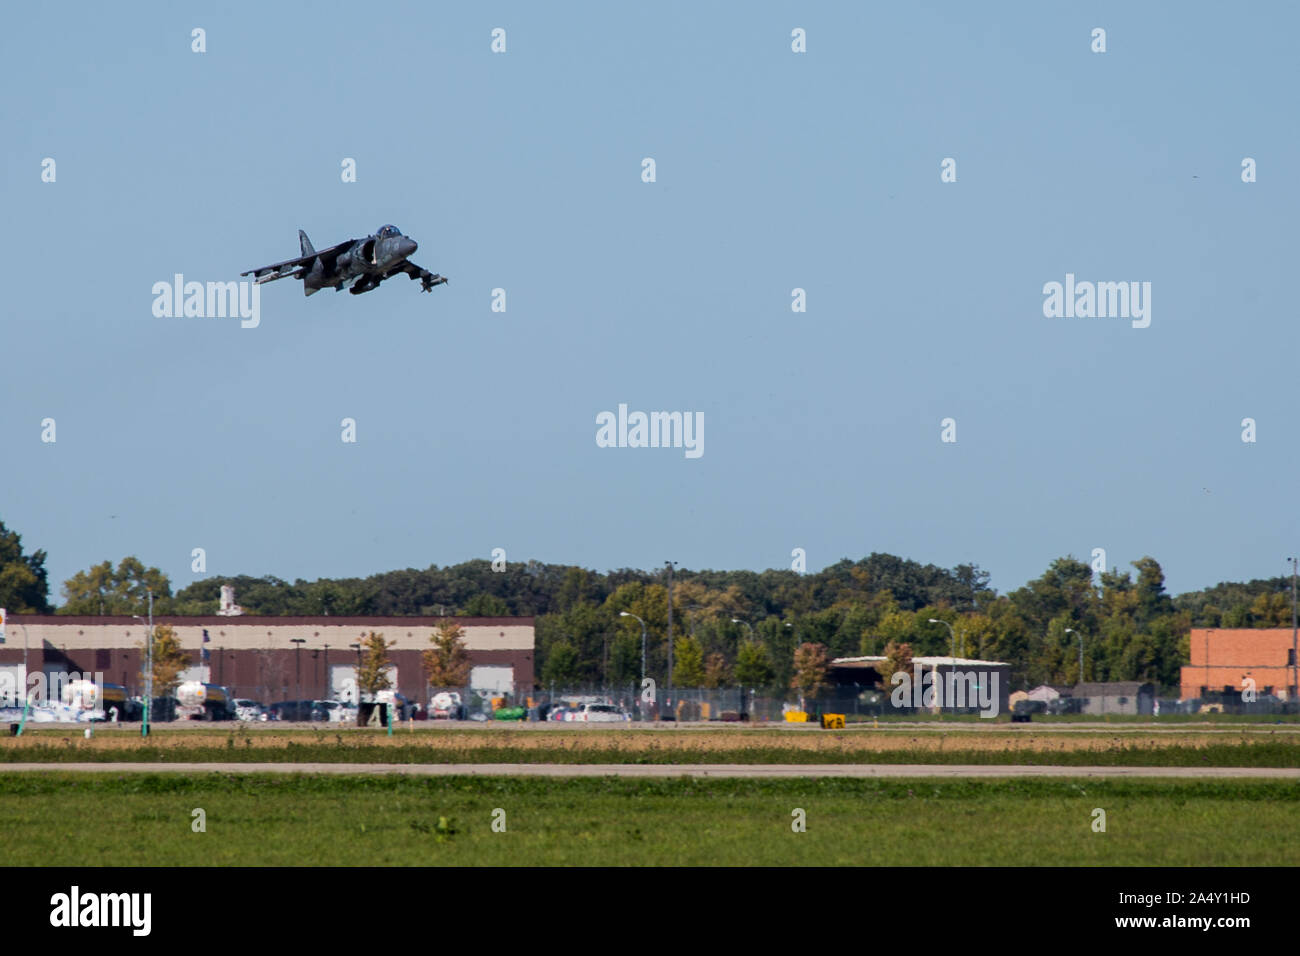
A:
[670,623]
[952,634]
[148,674]
[24,627]
[1295,659]
[356,684]
[1070,630]
[630,614]
[297,674]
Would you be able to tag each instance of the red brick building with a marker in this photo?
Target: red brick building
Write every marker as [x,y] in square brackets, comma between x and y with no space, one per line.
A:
[266,658]
[1222,658]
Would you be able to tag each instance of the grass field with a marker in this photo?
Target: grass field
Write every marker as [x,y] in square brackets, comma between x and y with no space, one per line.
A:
[145,819]
[1247,747]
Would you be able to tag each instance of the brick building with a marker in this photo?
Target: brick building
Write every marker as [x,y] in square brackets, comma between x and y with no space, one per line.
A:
[260,657]
[1222,658]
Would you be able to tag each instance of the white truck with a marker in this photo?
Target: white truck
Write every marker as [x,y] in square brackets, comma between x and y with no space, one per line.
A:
[87,700]
[446,705]
[200,701]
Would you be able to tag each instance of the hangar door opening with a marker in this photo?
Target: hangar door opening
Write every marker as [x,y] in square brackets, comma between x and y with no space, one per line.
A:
[498,680]
[343,682]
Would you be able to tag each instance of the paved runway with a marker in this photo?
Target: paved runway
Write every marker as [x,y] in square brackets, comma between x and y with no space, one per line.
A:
[757,771]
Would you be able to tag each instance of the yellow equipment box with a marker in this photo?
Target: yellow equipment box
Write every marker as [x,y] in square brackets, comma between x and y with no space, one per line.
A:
[796,717]
[833,721]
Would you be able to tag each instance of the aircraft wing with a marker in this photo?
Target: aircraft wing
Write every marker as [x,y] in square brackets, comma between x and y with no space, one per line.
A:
[295,268]
[428,279]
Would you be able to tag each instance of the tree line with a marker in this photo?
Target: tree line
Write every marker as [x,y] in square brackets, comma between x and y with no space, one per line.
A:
[734,628]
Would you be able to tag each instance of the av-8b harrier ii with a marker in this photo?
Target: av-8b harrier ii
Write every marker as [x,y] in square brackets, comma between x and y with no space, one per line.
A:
[357,265]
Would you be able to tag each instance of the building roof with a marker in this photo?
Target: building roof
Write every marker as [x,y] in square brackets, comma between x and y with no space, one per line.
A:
[1049,692]
[260,620]
[870,660]
[1120,688]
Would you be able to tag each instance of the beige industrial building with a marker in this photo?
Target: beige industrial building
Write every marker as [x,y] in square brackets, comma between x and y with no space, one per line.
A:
[267,658]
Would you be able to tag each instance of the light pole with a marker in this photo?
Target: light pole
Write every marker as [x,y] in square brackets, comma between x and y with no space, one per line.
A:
[148,703]
[24,627]
[691,616]
[669,565]
[952,678]
[23,722]
[736,620]
[1295,658]
[356,683]
[1070,630]
[629,614]
[952,634]
[298,642]
[148,667]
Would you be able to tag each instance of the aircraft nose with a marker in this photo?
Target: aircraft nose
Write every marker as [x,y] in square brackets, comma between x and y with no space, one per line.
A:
[406,246]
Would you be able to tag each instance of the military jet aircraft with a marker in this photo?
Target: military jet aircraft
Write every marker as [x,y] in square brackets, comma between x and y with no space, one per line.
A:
[357,265]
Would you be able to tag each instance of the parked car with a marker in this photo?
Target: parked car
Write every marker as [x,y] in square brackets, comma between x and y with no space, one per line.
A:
[335,710]
[249,710]
[598,714]
[298,710]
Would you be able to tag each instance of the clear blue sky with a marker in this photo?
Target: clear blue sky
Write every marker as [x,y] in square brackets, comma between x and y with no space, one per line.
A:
[476,429]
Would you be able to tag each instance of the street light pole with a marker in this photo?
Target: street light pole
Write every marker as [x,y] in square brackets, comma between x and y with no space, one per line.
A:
[1070,630]
[1295,658]
[953,666]
[736,620]
[629,614]
[952,634]
[298,642]
[148,667]
[24,627]
[691,616]
[669,565]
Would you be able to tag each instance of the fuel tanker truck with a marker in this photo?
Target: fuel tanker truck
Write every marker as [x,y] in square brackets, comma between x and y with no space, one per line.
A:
[200,701]
[88,700]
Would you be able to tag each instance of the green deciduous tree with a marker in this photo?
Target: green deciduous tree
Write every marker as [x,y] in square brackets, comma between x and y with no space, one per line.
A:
[486,605]
[24,586]
[373,676]
[753,665]
[716,671]
[688,665]
[447,663]
[104,589]
[168,660]
[810,669]
[898,657]
[561,664]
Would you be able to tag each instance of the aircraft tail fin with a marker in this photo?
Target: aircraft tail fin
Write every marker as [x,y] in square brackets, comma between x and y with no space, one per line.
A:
[305,244]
